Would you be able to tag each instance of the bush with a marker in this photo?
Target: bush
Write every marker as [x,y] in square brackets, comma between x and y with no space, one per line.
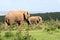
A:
[21,36]
[1,38]
[8,34]
[1,27]
[51,25]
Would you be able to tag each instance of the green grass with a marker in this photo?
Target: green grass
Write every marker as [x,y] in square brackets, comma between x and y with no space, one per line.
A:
[38,35]
[49,30]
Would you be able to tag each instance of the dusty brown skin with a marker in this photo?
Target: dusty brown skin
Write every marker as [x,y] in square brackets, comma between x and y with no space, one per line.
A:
[16,17]
[35,19]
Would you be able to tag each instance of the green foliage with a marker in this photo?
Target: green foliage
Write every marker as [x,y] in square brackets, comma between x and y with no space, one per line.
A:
[8,34]
[48,30]
[48,15]
[0,36]
[47,27]
[21,36]
[51,25]
[2,18]
[16,35]
[14,27]
[1,27]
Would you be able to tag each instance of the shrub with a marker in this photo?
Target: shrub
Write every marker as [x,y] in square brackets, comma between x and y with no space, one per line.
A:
[1,38]
[8,34]
[1,27]
[50,26]
[21,36]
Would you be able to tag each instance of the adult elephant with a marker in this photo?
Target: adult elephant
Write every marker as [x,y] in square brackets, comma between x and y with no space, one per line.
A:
[35,19]
[16,17]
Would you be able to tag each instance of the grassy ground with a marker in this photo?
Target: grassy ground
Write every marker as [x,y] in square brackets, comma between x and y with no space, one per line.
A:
[49,30]
[39,35]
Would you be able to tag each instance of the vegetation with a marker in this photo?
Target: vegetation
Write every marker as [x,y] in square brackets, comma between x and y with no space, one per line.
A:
[48,16]
[48,30]
[45,16]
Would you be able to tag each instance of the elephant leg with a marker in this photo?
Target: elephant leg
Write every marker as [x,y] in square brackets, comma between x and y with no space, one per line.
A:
[36,22]
[12,23]
[5,26]
[20,25]
[29,24]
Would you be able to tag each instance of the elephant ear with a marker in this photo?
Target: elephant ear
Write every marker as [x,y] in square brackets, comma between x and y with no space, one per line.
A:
[26,15]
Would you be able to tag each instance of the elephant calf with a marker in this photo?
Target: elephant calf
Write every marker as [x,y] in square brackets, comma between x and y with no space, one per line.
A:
[35,19]
[16,17]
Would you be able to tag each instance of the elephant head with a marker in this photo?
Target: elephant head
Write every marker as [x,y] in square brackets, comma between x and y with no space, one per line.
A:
[40,19]
[26,15]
